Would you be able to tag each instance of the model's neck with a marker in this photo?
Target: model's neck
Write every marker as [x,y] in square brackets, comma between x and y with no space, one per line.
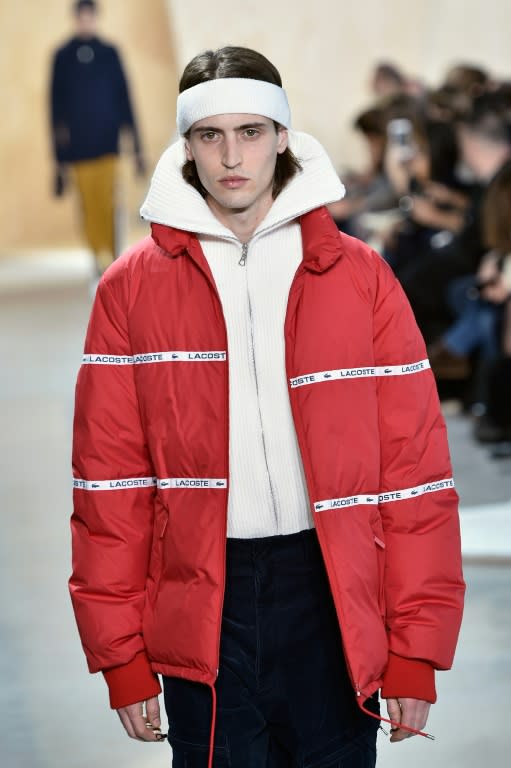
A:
[243,222]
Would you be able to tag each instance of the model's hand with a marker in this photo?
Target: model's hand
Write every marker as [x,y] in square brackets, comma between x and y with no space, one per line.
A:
[411,712]
[140,726]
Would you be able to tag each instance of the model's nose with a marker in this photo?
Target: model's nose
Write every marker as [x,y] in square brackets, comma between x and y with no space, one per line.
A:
[231,155]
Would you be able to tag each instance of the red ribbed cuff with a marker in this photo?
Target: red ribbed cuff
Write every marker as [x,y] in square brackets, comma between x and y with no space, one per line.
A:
[132,682]
[408,678]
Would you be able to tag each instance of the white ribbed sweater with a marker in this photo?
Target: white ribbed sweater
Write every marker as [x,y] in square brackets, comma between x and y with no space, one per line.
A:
[267,490]
[267,493]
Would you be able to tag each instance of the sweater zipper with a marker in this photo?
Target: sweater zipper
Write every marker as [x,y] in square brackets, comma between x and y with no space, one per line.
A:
[242,262]
[244,252]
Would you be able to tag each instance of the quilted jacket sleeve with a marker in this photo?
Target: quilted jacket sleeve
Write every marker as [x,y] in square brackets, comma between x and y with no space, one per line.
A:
[113,506]
[424,586]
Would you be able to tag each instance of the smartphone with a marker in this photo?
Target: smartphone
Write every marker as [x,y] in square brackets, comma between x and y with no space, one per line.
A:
[400,134]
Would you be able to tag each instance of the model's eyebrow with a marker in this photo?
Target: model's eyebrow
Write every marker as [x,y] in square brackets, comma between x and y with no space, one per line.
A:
[214,129]
[250,125]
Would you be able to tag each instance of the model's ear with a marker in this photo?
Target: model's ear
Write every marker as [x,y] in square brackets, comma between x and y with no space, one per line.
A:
[283,139]
[188,151]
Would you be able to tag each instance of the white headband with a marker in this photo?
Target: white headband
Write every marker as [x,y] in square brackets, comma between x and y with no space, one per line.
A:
[232,95]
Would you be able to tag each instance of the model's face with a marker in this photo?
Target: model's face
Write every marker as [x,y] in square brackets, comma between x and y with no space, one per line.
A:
[235,156]
[86,23]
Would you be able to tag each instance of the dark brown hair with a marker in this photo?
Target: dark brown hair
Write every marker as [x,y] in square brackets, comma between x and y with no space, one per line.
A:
[497,212]
[85,5]
[468,78]
[371,122]
[234,61]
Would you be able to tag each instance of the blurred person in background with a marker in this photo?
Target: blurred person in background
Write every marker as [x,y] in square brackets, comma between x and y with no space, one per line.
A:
[367,191]
[274,529]
[479,301]
[468,79]
[494,426]
[480,338]
[420,162]
[90,107]
[484,136]
[484,142]
[387,80]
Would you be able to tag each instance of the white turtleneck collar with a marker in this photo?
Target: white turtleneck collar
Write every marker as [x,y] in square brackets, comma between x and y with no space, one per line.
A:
[175,203]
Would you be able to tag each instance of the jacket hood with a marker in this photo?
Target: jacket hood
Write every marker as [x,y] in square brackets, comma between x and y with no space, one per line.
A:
[174,203]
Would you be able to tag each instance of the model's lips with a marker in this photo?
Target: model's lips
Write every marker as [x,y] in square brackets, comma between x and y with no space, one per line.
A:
[233,182]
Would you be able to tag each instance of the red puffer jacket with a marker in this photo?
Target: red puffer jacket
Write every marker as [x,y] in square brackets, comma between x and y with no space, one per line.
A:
[151,466]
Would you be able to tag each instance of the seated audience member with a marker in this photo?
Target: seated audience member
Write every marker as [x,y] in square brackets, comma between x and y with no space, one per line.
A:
[431,200]
[494,426]
[370,189]
[485,146]
[479,301]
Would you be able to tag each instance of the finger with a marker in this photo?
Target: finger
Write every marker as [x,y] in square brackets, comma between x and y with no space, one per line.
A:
[395,714]
[394,710]
[138,723]
[400,734]
[143,730]
[414,715]
[153,712]
[125,720]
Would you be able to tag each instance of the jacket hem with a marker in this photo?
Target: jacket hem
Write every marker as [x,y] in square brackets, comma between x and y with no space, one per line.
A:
[186,673]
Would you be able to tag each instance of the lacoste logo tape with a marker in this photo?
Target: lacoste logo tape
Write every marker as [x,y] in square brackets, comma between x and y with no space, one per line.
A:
[154,357]
[384,498]
[114,485]
[419,490]
[107,360]
[148,482]
[360,373]
[192,482]
[348,501]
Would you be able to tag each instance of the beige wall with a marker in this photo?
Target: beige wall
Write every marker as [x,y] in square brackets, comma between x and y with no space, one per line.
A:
[29,30]
[325,49]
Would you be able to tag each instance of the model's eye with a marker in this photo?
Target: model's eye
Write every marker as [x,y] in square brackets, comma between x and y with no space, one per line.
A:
[209,136]
[251,132]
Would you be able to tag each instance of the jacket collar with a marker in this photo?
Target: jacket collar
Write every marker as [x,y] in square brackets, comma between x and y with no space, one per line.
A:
[322,241]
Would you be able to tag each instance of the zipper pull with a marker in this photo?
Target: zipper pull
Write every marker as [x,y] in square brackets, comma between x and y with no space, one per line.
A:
[244,252]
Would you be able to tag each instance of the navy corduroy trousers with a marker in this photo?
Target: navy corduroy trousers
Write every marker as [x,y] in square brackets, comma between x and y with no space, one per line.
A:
[284,699]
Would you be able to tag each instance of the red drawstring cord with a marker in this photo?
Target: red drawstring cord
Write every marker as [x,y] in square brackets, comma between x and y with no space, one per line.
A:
[393,723]
[397,725]
[213,725]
